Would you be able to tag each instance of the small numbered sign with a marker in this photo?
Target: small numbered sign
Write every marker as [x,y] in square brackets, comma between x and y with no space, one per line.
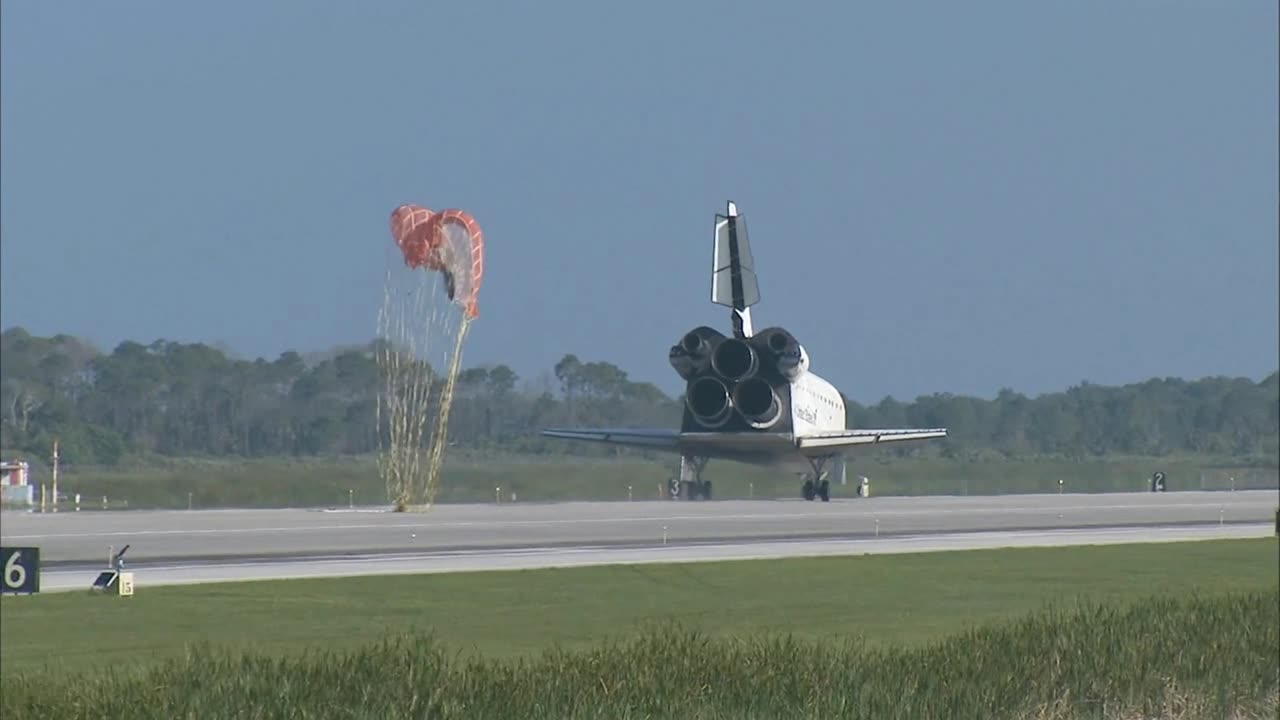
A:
[673,487]
[21,568]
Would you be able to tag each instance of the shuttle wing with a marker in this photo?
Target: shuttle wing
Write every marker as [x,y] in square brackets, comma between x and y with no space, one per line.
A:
[745,445]
[821,443]
[657,438]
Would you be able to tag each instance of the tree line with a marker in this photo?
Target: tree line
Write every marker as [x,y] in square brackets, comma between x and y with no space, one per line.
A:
[179,399]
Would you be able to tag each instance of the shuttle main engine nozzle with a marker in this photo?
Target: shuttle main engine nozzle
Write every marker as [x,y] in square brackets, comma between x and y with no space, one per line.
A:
[709,401]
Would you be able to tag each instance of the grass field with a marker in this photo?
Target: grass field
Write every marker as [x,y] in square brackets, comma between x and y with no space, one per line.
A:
[1186,630]
[902,600]
[471,477]
[1171,657]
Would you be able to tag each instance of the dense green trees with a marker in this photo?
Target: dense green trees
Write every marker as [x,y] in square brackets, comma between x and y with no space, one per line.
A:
[177,399]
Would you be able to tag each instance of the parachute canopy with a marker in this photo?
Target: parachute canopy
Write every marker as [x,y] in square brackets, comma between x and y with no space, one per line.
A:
[449,242]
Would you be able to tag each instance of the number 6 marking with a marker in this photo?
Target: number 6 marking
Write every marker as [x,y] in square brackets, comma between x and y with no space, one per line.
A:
[15,575]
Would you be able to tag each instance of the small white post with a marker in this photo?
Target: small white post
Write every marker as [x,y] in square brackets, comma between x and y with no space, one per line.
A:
[751,491]
[628,493]
[1220,512]
[497,495]
[1059,486]
[189,501]
[351,498]
[104,502]
[55,475]
[77,502]
[664,534]
[877,527]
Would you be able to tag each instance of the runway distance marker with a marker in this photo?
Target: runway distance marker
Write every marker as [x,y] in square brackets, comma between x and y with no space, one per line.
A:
[21,570]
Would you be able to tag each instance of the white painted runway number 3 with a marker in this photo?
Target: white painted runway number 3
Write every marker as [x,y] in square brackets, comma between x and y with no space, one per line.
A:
[21,570]
[15,576]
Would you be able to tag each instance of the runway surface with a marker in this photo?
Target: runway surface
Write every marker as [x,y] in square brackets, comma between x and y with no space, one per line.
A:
[184,573]
[215,545]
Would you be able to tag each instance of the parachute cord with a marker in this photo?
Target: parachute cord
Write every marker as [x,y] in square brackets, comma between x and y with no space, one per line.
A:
[410,323]
[440,438]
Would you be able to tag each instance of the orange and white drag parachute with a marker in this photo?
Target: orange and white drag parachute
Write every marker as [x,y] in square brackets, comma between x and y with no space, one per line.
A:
[449,242]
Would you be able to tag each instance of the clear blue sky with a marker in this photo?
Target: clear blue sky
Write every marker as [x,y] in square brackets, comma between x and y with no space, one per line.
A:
[942,196]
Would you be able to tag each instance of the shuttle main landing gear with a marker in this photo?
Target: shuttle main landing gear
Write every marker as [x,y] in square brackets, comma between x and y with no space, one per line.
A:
[690,482]
[818,486]
[821,489]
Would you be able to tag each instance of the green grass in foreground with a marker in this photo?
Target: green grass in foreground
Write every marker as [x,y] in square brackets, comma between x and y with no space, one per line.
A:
[900,600]
[1167,657]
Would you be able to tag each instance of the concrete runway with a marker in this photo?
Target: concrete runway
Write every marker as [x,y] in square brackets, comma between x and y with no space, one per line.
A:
[185,573]
[240,538]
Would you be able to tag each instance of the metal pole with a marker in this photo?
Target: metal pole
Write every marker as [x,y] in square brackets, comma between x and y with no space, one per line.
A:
[55,475]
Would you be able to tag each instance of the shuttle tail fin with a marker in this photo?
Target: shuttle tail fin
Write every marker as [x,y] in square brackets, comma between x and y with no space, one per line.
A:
[733,274]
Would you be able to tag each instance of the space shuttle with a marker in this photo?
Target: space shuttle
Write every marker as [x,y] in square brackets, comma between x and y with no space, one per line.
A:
[750,396]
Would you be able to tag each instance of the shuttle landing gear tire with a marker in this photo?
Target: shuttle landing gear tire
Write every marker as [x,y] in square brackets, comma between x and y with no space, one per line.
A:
[817,486]
[691,482]
[699,489]
[812,490]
